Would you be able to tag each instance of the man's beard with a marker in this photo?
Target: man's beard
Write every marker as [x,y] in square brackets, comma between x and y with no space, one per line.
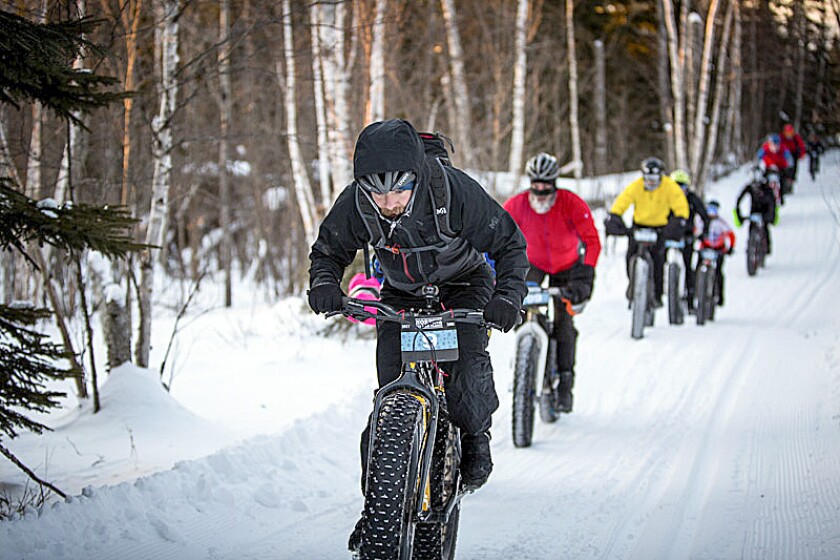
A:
[392,212]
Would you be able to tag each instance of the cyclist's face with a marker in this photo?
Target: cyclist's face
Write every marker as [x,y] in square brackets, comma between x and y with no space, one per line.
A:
[542,188]
[393,203]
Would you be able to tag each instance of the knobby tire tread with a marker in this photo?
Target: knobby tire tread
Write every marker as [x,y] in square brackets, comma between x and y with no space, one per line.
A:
[640,280]
[436,541]
[524,390]
[392,477]
[675,316]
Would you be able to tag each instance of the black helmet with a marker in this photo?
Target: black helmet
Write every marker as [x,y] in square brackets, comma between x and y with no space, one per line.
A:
[652,170]
[542,167]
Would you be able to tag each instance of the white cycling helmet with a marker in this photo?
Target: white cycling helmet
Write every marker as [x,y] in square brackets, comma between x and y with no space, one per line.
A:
[542,167]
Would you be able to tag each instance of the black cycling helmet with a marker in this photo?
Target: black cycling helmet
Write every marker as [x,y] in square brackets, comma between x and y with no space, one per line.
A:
[542,167]
[652,171]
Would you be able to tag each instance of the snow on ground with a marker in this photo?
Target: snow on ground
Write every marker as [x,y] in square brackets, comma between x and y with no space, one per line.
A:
[713,442]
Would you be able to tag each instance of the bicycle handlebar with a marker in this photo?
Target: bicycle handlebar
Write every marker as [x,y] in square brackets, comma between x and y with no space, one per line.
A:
[353,307]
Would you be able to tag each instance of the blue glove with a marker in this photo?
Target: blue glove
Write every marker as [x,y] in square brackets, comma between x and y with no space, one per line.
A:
[324,298]
[502,312]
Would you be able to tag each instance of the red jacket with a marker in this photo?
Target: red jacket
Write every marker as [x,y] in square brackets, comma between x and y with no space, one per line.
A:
[795,145]
[781,159]
[553,237]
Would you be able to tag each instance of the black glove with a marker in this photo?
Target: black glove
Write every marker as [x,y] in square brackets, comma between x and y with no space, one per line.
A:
[581,279]
[614,225]
[324,298]
[675,229]
[502,312]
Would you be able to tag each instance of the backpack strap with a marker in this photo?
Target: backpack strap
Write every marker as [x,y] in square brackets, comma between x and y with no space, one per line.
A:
[441,193]
[370,217]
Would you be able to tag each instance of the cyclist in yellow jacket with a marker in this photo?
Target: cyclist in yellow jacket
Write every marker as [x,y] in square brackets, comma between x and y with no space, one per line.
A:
[655,198]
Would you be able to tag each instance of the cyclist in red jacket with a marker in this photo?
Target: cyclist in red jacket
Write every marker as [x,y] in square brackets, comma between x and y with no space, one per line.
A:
[793,142]
[563,244]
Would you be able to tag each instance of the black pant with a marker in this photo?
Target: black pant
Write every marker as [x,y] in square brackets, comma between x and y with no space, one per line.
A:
[658,254]
[470,390]
[564,328]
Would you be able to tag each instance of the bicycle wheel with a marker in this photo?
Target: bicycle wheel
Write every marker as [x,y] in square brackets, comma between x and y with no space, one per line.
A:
[753,250]
[762,246]
[436,540]
[640,297]
[387,529]
[713,295]
[675,315]
[702,294]
[548,396]
[524,389]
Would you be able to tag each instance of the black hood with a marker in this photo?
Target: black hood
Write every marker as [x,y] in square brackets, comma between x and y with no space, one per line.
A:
[391,145]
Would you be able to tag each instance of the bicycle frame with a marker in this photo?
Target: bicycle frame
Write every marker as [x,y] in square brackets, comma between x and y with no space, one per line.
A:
[536,323]
[427,338]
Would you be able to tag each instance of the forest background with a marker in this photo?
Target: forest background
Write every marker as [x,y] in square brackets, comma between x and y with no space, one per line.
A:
[238,130]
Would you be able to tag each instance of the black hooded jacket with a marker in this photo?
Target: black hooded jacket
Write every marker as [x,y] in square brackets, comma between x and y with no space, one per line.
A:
[479,222]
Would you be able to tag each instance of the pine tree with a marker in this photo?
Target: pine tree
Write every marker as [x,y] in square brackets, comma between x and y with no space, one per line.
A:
[36,65]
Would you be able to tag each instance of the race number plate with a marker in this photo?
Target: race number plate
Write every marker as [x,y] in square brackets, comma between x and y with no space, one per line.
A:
[709,253]
[431,338]
[645,235]
[536,296]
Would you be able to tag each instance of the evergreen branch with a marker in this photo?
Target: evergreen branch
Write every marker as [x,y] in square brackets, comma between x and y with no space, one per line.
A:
[36,63]
[69,227]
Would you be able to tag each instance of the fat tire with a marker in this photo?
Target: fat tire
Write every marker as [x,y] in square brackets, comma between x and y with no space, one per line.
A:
[387,531]
[753,251]
[436,541]
[675,315]
[640,279]
[702,295]
[524,389]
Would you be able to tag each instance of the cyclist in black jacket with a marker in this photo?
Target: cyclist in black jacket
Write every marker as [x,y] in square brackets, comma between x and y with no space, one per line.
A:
[762,200]
[695,208]
[393,177]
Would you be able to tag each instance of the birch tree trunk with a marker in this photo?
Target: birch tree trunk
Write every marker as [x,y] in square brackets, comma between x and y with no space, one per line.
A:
[335,72]
[703,90]
[376,96]
[666,103]
[690,37]
[225,116]
[303,188]
[573,92]
[517,137]
[676,85]
[320,107]
[65,180]
[720,82]
[601,109]
[167,13]
[459,83]
[733,137]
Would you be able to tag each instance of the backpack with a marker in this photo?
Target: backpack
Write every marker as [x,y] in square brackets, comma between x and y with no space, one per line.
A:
[435,146]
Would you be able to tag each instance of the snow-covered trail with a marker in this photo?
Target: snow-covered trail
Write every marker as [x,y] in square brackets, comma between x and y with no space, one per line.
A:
[714,442]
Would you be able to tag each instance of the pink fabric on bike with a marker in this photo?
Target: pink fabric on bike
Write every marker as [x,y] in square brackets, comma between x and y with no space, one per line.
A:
[365,289]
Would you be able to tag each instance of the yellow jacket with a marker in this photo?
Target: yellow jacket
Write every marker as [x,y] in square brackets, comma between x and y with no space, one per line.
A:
[652,208]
